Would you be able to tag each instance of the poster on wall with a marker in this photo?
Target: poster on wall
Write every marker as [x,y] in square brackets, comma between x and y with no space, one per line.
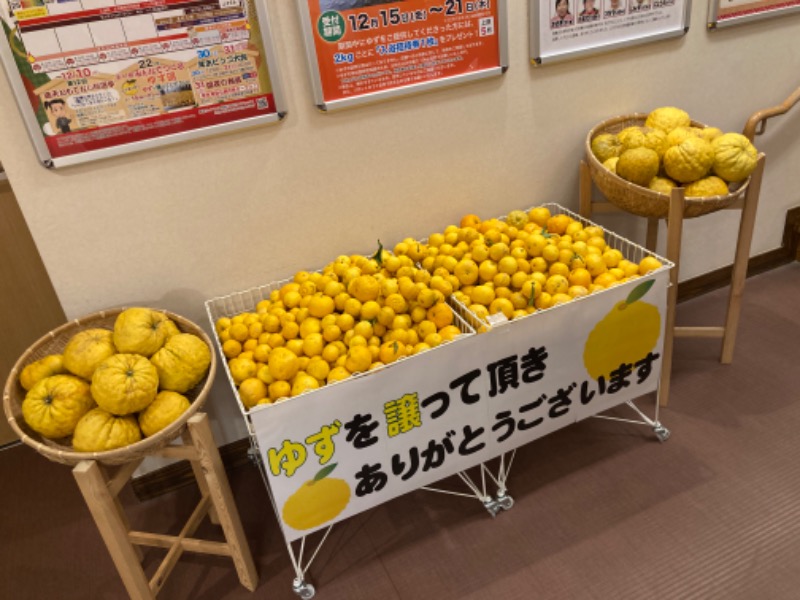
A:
[99,78]
[564,29]
[722,13]
[362,51]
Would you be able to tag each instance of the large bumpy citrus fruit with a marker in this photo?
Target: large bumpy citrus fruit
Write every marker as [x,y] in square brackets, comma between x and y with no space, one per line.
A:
[53,364]
[124,384]
[87,349]
[162,411]
[638,165]
[668,118]
[690,160]
[710,133]
[605,146]
[677,135]
[54,405]
[316,502]
[656,140]
[624,336]
[632,137]
[140,331]
[100,431]
[707,186]
[611,164]
[182,362]
[662,185]
[734,157]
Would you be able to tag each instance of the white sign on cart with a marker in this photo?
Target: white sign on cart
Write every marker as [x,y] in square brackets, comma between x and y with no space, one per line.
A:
[355,444]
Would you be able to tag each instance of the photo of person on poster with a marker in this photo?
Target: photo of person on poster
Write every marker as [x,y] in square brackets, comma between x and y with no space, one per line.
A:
[348,4]
[57,109]
[639,5]
[563,16]
[615,8]
[589,12]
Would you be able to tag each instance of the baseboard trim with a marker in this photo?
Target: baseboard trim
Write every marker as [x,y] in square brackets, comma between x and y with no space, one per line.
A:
[772,259]
[179,474]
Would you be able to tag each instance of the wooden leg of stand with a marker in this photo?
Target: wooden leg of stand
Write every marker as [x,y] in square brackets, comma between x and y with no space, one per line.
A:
[739,275]
[201,479]
[585,191]
[115,484]
[674,232]
[113,528]
[652,235]
[222,497]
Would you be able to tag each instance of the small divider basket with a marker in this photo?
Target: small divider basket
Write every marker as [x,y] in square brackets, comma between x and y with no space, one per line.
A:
[629,250]
[61,450]
[247,301]
[642,201]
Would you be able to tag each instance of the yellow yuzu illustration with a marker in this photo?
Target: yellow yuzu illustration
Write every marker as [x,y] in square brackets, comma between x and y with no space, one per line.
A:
[624,336]
[316,502]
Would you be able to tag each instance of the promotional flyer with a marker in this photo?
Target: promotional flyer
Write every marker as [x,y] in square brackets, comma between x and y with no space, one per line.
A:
[364,49]
[102,74]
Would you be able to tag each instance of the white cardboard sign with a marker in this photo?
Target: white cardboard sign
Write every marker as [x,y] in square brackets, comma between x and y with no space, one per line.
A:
[347,447]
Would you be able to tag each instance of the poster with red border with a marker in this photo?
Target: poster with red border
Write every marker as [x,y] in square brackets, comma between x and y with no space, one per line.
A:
[366,50]
[723,13]
[97,78]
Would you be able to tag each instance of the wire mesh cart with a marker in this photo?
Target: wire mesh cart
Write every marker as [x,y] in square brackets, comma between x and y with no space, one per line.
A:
[461,408]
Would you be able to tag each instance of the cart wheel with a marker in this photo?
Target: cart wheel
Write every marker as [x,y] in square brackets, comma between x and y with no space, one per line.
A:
[504,501]
[495,505]
[662,433]
[303,589]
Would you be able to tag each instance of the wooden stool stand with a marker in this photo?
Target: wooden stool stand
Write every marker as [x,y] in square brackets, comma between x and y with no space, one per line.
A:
[101,490]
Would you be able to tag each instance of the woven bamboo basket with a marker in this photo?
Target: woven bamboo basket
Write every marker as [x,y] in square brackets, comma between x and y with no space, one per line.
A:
[61,450]
[641,201]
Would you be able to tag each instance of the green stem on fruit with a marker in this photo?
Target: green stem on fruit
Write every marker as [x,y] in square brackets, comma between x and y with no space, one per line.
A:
[378,256]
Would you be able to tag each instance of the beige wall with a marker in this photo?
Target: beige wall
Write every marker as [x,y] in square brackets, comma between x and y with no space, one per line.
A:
[175,226]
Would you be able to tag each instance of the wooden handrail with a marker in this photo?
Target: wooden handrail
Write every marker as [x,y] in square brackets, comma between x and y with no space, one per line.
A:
[757,123]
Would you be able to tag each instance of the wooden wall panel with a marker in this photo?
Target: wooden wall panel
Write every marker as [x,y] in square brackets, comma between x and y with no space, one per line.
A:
[29,307]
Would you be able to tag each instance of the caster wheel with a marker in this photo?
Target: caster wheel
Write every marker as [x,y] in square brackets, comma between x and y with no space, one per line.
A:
[303,589]
[662,433]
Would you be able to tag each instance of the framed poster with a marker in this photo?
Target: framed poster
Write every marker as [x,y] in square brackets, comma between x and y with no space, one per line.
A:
[99,78]
[361,51]
[564,29]
[722,13]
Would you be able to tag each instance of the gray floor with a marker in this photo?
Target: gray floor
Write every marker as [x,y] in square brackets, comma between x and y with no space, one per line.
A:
[603,510]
